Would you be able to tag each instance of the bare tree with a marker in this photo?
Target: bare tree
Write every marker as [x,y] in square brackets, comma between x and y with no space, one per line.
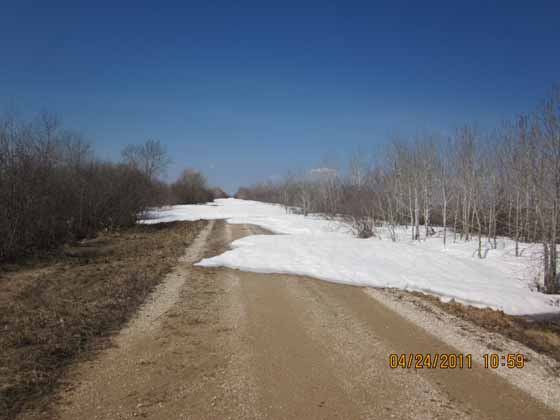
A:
[151,158]
[445,185]
[548,137]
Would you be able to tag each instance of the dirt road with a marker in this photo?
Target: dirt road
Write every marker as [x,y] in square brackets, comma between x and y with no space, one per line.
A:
[219,344]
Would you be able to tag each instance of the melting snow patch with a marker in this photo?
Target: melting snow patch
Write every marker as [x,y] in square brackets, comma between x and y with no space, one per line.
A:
[313,246]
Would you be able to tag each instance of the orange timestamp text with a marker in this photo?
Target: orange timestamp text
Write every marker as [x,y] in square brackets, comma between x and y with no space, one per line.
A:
[454,361]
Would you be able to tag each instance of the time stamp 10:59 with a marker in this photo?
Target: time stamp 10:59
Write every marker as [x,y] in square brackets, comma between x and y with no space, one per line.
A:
[454,361]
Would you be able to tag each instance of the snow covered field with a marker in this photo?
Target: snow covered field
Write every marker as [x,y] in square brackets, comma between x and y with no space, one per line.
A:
[324,249]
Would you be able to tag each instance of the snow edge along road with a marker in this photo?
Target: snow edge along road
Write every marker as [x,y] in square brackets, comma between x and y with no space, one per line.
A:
[325,249]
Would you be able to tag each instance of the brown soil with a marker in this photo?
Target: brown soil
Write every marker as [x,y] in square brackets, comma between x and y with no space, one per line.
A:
[56,310]
[224,344]
[541,336]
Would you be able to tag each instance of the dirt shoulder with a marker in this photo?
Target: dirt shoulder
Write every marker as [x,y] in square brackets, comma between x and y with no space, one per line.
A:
[62,309]
[220,343]
[477,332]
[541,335]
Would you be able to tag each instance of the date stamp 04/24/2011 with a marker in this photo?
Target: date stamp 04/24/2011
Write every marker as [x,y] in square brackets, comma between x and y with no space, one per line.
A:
[454,361]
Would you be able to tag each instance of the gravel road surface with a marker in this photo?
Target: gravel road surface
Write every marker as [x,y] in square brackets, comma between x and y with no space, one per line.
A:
[224,344]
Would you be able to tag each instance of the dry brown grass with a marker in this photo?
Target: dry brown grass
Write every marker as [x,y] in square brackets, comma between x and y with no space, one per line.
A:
[58,309]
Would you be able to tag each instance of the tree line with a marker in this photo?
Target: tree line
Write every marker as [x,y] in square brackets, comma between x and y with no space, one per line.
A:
[472,185]
[53,189]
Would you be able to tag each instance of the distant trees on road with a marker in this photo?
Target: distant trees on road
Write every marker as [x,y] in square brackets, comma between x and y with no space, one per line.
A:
[191,187]
[480,185]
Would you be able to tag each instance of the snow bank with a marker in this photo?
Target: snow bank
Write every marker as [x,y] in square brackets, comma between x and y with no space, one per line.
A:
[269,216]
[323,249]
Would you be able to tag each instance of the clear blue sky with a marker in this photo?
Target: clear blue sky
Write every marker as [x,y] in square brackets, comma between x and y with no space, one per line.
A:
[247,90]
